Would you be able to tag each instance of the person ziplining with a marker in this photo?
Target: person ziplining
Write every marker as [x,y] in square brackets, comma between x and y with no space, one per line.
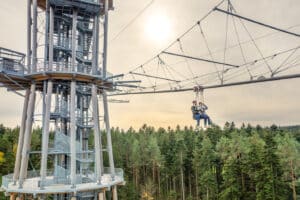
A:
[199,108]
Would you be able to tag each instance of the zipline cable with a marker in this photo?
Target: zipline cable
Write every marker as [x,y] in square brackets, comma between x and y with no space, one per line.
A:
[132,20]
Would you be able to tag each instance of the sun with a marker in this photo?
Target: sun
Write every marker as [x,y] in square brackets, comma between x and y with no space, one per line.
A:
[158,27]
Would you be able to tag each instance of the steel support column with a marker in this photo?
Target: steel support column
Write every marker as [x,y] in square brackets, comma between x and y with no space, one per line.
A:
[29,35]
[105,39]
[95,46]
[51,30]
[73,132]
[47,13]
[74,39]
[34,37]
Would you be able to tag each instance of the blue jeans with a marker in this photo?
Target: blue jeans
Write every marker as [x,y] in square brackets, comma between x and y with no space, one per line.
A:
[203,116]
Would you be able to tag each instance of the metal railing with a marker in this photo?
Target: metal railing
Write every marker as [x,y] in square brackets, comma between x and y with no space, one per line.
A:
[11,62]
[65,67]
[11,67]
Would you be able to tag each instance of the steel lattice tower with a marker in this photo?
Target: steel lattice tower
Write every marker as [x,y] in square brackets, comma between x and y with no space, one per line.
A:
[70,80]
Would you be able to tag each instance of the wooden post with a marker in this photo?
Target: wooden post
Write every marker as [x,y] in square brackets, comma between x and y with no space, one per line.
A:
[20,197]
[45,136]
[101,195]
[21,138]
[12,197]
[27,135]
[97,134]
[114,192]
[108,136]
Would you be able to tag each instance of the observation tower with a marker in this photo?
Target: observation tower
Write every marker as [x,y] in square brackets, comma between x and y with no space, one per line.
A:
[65,70]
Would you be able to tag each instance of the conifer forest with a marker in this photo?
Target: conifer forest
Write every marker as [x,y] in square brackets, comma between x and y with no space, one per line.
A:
[219,163]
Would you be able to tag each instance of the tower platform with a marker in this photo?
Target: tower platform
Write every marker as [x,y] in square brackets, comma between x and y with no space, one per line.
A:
[15,76]
[59,185]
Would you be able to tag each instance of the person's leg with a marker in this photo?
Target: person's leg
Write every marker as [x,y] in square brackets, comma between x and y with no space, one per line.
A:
[198,117]
[209,121]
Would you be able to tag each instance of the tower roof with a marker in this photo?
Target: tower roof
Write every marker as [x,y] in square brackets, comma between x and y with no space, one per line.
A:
[86,5]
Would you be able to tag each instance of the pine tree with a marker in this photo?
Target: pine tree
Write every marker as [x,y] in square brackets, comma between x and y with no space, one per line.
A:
[288,151]
[204,165]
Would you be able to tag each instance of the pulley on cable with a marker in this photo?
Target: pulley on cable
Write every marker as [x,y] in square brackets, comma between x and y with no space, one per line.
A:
[199,108]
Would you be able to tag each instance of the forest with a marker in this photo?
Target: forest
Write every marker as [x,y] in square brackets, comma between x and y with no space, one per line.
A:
[247,162]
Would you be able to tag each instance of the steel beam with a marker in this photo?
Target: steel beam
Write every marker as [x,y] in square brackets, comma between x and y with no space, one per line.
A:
[115,76]
[133,81]
[150,76]
[293,76]
[257,22]
[200,59]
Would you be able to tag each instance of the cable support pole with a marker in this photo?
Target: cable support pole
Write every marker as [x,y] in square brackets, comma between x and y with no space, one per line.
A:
[200,59]
[256,22]
[285,77]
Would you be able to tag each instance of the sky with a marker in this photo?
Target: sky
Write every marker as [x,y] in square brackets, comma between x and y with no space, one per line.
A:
[265,104]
